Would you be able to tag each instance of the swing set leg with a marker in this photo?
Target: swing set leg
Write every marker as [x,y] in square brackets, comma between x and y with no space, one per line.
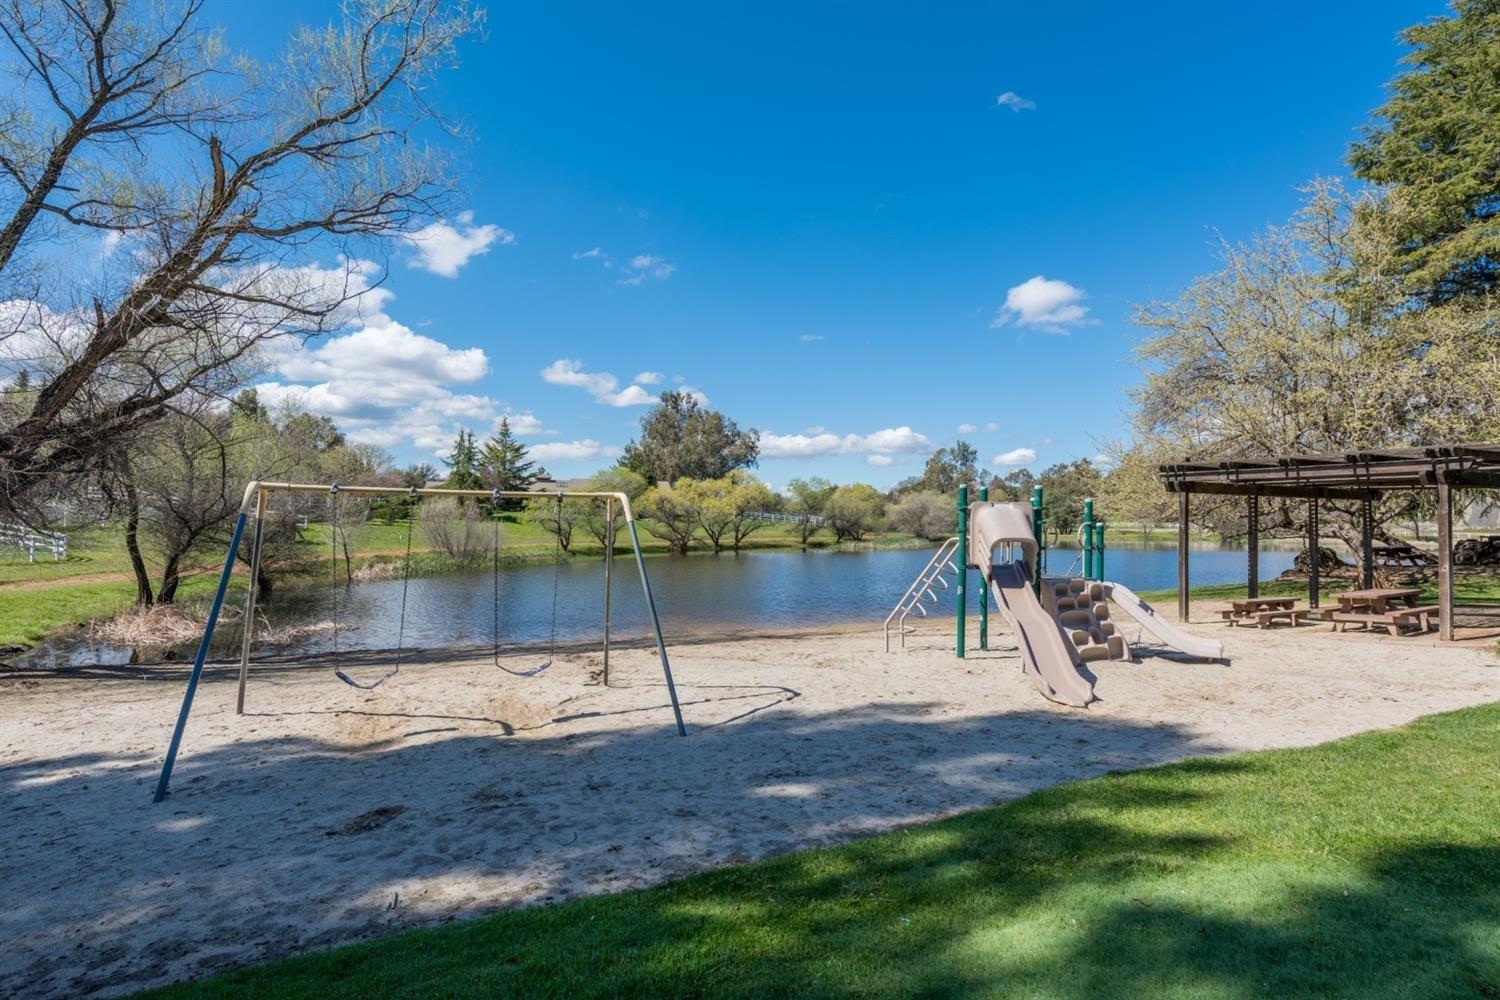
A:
[661,644]
[208,637]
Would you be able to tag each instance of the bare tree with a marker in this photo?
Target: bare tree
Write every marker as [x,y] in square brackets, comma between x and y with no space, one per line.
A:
[222,178]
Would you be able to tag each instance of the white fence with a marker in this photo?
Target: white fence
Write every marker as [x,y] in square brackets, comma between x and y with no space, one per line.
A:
[29,541]
[770,515]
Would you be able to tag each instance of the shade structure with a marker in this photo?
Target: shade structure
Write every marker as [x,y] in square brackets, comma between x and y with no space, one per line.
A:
[1362,475]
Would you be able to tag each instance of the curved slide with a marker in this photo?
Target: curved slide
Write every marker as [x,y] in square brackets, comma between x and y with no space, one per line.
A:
[1171,635]
[1048,658]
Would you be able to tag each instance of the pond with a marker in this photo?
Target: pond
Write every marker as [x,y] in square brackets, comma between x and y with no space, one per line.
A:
[753,590]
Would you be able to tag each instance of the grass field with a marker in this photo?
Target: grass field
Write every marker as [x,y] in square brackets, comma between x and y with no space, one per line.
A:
[1365,867]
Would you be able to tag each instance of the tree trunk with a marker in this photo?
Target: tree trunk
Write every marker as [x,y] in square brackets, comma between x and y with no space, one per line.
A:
[143,596]
[170,578]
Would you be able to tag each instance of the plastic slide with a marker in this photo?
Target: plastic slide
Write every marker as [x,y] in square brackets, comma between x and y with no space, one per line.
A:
[1048,658]
[1171,635]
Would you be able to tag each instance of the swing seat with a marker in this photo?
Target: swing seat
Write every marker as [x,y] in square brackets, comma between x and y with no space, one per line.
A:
[356,684]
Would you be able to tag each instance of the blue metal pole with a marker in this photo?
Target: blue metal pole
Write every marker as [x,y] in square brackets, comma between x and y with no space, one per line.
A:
[963,563]
[661,645]
[208,637]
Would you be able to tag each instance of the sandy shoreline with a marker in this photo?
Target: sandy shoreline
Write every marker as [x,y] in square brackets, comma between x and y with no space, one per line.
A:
[329,814]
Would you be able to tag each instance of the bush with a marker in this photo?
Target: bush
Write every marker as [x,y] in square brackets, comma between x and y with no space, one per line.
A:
[456,528]
[926,515]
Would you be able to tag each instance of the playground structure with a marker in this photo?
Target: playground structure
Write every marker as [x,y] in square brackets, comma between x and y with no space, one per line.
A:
[1060,622]
[254,507]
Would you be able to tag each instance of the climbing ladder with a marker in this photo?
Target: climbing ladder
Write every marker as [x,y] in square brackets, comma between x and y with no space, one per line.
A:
[922,591]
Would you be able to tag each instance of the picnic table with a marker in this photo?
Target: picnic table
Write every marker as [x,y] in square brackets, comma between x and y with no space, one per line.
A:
[1392,607]
[1400,555]
[1259,610]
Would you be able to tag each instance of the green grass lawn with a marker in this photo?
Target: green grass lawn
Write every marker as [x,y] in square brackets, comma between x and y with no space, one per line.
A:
[1368,867]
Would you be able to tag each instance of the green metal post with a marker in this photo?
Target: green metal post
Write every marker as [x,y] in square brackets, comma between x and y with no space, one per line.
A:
[1088,539]
[984,593]
[1099,551]
[1039,531]
[963,563]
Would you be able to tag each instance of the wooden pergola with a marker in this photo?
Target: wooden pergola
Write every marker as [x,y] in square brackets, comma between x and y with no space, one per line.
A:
[1361,476]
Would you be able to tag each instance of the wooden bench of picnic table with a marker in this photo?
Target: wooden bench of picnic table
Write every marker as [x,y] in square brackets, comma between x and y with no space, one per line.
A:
[1420,615]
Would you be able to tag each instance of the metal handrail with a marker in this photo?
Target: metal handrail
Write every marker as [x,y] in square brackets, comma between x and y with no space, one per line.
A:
[941,561]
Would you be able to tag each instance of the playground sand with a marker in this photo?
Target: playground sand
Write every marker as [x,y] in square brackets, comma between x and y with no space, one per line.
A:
[330,814]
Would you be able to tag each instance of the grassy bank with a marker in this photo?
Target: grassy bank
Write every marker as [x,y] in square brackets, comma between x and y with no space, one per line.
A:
[1364,867]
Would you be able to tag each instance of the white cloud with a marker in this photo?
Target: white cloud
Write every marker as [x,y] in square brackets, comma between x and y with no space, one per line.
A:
[967,428]
[901,440]
[382,382]
[443,248]
[991,427]
[648,378]
[812,338]
[1102,459]
[604,387]
[1014,101]
[1015,457]
[880,460]
[1044,303]
[524,423]
[574,451]
[635,271]
[110,242]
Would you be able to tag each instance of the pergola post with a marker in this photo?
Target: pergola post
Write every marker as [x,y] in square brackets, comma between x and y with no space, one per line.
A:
[1252,541]
[1313,554]
[1182,555]
[1367,543]
[1445,560]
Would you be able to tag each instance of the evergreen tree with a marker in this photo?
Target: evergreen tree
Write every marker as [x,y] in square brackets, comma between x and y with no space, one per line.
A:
[1437,149]
[463,464]
[504,464]
[22,382]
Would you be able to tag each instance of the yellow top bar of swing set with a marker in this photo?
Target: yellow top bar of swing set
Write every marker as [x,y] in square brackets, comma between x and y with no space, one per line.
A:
[256,488]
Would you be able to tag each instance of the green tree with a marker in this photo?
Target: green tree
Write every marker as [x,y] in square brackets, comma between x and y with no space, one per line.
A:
[463,464]
[1437,147]
[504,465]
[1064,488]
[1306,341]
[670,516]
[853,511]
[557,519]
[808,498]
[949,468]
[591,516]
[750,496]
[680,438]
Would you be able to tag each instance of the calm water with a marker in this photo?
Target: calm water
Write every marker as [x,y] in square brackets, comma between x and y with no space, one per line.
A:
[750,591]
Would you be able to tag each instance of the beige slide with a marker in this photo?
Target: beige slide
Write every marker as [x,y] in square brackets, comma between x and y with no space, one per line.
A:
[1174,637]
[1001,544]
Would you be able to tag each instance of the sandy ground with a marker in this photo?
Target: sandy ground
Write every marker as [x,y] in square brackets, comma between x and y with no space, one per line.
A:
[328,814]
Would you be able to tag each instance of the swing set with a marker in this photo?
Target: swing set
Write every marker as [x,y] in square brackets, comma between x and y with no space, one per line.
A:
[254,506]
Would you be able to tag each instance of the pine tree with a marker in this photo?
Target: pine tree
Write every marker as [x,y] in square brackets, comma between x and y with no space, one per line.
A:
[463,464]
[504,463]
[22,382]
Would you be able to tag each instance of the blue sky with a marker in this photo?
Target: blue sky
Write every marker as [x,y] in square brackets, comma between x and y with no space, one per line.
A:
[824,218]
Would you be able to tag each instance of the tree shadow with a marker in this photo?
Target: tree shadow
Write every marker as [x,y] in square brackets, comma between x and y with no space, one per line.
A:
[238,865]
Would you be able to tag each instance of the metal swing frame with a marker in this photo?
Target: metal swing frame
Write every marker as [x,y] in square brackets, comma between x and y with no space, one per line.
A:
[254,505]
